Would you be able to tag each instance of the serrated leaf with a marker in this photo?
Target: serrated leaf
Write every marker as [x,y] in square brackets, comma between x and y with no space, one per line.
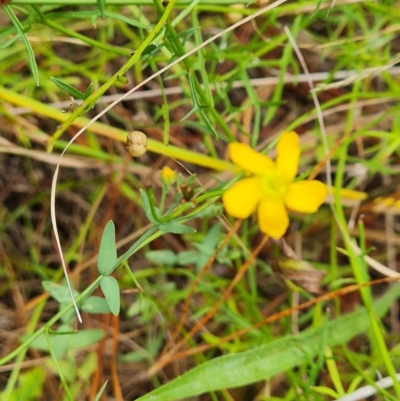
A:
[162,257]
[108,251]
[59,292]
[268,360]
[96,305]
[175,227]
[110,287]
[75,93]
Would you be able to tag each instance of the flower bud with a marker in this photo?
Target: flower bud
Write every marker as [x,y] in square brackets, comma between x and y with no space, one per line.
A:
[168,176]
[136,143]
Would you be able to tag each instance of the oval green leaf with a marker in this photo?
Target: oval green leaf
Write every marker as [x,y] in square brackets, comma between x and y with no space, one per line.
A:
[110,287]
[108,251]
[59,292]
[75,93]
[162,257]
[96,305]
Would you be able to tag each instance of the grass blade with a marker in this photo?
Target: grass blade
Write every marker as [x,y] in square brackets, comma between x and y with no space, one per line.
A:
[20,30]
[270,359]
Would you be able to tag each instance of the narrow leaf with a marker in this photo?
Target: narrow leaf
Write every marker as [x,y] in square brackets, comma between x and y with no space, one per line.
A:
[147,207]
[175,227]
[31,54]
[88,91]
[8,43]
[102,5]
[75,93]
[108,251]
[101,391]
[268,360]
[110,287]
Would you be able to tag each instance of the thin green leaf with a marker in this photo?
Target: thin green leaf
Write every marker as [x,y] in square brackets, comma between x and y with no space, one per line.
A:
[200,108]
[128,21]
[137,245]
[102,5]
[150,49]
[88,91]
[268,360]
[9,43]
[175,227]
[31,54]
[147,207]
[75,93]
[108,251]
[110,287]
[101,391]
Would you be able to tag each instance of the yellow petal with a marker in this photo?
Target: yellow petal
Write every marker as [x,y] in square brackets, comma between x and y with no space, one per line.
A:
[242,198]
[305,196]
[273,218]
[248,159]
[288,154]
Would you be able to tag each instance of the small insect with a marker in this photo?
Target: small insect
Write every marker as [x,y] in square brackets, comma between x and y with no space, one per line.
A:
[71,107]
[136,143]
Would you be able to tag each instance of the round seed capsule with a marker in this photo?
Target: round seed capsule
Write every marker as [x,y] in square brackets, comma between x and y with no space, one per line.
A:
[136,143]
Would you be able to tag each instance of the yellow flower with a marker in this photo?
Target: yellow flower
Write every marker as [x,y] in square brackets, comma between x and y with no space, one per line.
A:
[168,175]
[271,189]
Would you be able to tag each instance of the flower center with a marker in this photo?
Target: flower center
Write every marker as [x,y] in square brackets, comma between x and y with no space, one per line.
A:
[274,184]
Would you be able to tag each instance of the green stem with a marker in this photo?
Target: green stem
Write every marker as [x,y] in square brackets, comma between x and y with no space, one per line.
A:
[117,134]
[180,51]
[91,100]
[15,374]
[360,272]
[83,38]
